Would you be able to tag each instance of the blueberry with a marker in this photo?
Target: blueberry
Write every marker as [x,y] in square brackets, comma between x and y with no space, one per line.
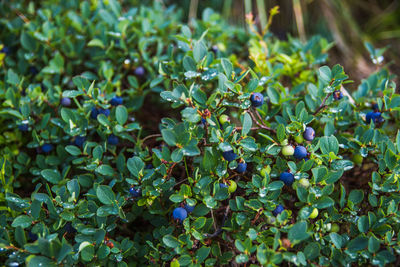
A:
[135,192]
[287,178]
[189,208]
[24,127]
[300,152]
[106,112]
[309,134]
[149,166]
[203,121]
[179,214]
[5,50]
[79,140]
[229,155]
[241,168]
[112,140]
[69,228]
[337,95]
[221,185]
[140,71]
[116,100]
[214,49]
[375,107]
[66,101]
[376,117]
[33,70]
[278,210]
[257,99]
[32,237]
[94,113]
[46,148]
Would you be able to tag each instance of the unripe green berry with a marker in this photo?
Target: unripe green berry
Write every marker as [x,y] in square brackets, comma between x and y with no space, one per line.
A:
[299,139]
[335,228]
[288,150]
[314,213]
[358,159]
[266,170]
[304,182]
[224,118]
[232,186]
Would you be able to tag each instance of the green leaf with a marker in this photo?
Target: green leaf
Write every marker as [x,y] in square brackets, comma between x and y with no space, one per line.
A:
[63,252]
[199,223]
[106,170]
[363,224]
[73,150]
[227,66]
[53,176]
[121,114]
[357,244]
[135,166]
[22,221]
[281,132]
[325,74]
[105,194]
[28,42]
[356,196]
[199,51]
[38,261]
[337,240]
[298,232]
[329,144]
[171,241]
[273,95]
[169,136]
[202,253]
[246,124]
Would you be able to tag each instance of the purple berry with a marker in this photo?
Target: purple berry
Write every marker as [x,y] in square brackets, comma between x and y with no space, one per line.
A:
[135,192]
[24,127]
[257,99]
[46,148]
[79,140]
[33,70]
[106,112]
[287,178]
[221,185]
[278,210]
[69,228]
[66,101]
[116,100]
[32,237]
[140,71]
[5,50]
[309,134]
[376,117]
[189,208]
[113,140]
[241,168]
[300,152]
[179,214]
[337,95]
[229,155]
[94,113]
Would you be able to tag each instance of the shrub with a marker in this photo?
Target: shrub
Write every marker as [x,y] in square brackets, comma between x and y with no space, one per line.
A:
[86,183]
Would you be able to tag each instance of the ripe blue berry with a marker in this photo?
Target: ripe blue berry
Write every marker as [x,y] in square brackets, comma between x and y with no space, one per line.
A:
[278,210]
[375,107]
[69,228]
[46,148]
[135,192]
[106,112]
[221,185]
[112,140]
[257,99]
[33,70]
[309,134]
[189,208]
[32,237]
[5,50]
[241,168]
[79,140]
[229,155]
[116,100]
[66,101]
[376,117]
[179,214]
[287,178]
[203,121]
[300,152]
[24,127]
[337,95]
[94,113]
[140,71]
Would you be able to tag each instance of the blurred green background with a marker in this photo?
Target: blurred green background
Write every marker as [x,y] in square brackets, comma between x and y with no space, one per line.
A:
[349,23]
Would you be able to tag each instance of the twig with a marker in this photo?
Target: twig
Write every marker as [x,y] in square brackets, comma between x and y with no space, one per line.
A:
[322,104]
[219,230]
[259,124]
[151,136]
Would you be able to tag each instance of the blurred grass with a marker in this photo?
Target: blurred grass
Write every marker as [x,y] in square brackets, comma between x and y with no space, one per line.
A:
[349,23]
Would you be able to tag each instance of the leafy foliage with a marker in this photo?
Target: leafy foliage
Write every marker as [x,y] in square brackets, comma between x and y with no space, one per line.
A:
[72,195]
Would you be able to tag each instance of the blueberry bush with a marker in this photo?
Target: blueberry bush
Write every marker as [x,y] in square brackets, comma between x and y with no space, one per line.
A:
[129,138]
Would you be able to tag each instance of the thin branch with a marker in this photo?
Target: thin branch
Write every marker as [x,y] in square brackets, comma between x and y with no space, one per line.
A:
[150,136]
[259,124]
[322,104]
[219,230]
